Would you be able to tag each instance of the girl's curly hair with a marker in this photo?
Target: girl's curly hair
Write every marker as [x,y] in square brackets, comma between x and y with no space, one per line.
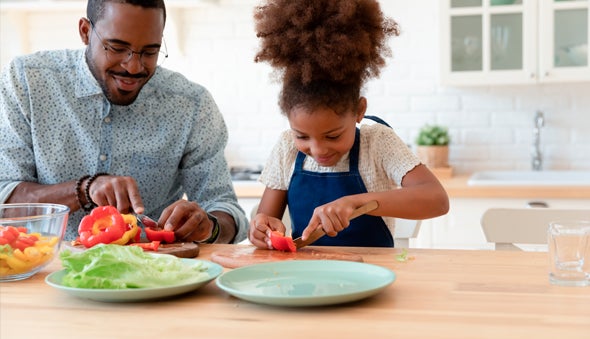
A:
[323,50]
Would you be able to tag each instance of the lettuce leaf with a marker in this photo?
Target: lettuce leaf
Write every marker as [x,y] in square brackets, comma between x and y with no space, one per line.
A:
[119,267]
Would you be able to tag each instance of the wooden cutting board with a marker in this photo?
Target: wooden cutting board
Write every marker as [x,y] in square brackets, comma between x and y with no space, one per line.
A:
[247,255]
[181,249]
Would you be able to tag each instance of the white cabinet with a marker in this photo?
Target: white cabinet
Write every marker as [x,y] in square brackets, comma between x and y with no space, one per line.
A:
[461,227]
[487,42]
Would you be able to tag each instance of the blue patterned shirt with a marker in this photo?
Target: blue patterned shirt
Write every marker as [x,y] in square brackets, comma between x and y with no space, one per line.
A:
[56,125]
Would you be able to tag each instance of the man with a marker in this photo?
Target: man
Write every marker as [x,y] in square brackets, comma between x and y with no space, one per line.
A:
[108,126]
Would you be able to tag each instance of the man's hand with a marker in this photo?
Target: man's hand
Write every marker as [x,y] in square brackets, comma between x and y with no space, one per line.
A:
[119,191]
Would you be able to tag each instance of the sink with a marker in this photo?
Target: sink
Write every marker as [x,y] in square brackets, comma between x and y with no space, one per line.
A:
[530,178]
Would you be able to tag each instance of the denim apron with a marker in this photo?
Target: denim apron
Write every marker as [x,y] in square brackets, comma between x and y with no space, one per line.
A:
[309,190]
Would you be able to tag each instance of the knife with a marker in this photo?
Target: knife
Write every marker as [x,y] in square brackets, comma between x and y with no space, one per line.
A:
[145,220]
[319,232]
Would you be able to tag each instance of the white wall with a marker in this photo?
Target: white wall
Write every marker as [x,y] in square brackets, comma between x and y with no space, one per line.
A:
[214,44]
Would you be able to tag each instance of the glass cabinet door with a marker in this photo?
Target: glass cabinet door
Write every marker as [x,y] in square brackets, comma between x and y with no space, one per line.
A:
[466,43]
[569,41]
[564,40]
[506,41]
[488,41]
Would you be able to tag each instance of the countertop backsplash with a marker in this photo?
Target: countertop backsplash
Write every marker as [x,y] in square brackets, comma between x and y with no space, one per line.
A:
[491,127]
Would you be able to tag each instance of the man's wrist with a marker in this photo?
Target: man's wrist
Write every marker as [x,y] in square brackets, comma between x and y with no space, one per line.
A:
[215,230]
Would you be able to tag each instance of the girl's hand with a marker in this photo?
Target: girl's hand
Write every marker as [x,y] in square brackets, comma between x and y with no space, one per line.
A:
[332,217]
[260,228]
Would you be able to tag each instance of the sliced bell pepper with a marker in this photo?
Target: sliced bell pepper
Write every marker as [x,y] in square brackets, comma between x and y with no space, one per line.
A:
[17,237]
[23,241]
[281,242]
[147,246]
[131,232]
[8,233]
[103,225]
[154,234]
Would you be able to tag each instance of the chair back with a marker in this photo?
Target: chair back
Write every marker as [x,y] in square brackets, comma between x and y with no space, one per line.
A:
[506,227]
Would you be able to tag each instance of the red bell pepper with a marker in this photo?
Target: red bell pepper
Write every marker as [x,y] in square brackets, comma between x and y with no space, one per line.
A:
[156,234]
[281,242]
[17,237]
[8,234]
[103,225]
[147,246]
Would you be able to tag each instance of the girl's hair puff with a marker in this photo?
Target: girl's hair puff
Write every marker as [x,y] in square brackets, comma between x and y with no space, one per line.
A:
[323,50]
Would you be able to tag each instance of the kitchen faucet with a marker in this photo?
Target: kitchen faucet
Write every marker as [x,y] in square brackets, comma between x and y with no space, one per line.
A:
[537,160]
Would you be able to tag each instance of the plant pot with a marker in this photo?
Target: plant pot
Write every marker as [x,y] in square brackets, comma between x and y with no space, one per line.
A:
[433,156]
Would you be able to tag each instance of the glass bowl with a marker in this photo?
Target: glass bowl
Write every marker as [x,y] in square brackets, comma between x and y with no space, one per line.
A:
[30,237]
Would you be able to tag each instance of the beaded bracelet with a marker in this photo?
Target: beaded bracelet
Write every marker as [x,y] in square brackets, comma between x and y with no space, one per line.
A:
[214,232]
[77,191]
[91,203]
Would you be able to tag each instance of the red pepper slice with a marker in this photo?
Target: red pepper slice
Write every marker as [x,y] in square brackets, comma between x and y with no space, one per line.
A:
[10,233]
[147,246]
[17,237]
[154,234]
[281,242]
[23,241]
[103,225]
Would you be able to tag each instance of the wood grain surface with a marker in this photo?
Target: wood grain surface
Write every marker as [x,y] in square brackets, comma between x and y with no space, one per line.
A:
[437,294]
[239,256]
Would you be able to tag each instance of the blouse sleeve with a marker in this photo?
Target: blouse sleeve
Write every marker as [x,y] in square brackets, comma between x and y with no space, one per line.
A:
[391,152]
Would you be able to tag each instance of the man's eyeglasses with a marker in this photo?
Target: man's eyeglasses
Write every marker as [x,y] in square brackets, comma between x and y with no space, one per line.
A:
[149,57]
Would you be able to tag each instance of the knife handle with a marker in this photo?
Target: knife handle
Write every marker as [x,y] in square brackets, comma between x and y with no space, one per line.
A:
[366,208]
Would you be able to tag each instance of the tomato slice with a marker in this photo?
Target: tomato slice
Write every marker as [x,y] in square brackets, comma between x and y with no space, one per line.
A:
[282,243]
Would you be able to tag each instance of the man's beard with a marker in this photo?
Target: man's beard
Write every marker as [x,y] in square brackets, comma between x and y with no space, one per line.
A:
[119,101]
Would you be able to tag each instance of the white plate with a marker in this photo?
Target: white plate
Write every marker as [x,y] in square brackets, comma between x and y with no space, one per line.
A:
[306,282]
[139,294]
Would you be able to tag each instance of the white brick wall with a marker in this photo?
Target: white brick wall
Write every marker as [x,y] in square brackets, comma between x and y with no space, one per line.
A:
[214,45]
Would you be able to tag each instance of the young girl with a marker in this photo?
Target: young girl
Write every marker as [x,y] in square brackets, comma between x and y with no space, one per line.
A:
[325,166]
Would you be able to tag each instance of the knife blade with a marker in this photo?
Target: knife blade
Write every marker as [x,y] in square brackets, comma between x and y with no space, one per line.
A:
[145,220]
[319,232]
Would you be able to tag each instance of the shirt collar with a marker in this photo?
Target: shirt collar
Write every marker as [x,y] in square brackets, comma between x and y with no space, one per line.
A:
[86,84]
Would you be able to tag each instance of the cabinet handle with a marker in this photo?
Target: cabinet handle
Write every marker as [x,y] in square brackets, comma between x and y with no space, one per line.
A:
[537,204]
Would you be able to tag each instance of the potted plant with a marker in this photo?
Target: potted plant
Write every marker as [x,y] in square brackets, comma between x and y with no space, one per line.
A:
[433,146]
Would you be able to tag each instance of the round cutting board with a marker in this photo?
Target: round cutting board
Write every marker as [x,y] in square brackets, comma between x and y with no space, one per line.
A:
[240,256]
[181,249]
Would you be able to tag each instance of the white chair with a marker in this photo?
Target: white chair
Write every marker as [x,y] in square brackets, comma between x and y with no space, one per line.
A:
[506,227]
[405,229]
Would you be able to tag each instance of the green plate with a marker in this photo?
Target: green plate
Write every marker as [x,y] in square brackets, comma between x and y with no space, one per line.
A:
[305,282]
[139,294]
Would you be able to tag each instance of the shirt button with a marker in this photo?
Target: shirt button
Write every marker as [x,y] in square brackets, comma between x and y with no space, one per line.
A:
[103,157]
[107,120]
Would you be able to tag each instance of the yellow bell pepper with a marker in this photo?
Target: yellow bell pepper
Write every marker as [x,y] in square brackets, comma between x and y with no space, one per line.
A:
[131,232]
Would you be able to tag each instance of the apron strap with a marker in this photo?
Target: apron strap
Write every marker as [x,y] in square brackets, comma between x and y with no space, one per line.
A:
[377,119]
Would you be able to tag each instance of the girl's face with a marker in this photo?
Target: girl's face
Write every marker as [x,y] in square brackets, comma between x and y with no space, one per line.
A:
[323,134]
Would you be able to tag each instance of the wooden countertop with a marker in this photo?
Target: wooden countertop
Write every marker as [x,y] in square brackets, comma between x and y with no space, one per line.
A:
[457,187]
[437,294]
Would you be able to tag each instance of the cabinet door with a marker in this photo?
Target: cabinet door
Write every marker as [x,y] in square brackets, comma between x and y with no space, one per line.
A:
[488,42]
[564,29]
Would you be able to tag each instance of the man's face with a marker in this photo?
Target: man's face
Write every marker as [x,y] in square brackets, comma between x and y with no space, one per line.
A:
[123,28]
